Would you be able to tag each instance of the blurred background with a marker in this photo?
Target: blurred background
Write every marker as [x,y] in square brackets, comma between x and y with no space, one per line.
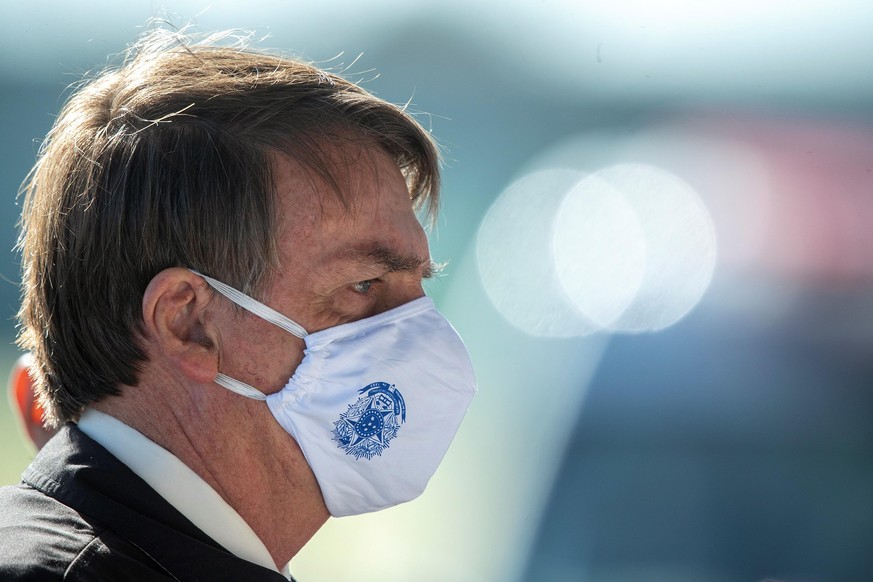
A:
[658,219]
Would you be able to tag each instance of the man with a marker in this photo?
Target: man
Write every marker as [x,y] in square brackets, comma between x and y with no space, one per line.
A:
[222,269]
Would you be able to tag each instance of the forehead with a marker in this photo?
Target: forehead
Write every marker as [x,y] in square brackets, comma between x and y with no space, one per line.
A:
[353,195]
[337,180]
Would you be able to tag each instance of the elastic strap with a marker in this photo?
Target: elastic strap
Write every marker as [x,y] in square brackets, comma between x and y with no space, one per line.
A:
[240,388]
[255,306]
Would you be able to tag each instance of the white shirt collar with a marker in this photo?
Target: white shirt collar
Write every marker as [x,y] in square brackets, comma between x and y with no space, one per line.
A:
[179,486]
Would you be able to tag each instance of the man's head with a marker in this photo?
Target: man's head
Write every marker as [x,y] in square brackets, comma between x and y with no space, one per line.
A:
[176,159]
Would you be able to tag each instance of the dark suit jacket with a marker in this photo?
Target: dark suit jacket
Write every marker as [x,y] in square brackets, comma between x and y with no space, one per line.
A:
[81,514]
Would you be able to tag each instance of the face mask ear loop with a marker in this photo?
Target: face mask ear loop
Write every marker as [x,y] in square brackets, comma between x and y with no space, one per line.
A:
[262,311]
[240,388]
[254,306]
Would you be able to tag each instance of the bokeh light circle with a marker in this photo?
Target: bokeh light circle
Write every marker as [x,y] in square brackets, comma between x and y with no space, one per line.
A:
[599,250]
[680,245]
[515,260]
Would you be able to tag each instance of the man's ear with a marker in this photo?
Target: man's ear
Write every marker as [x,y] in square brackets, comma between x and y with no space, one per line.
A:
[175,323]
[25,403]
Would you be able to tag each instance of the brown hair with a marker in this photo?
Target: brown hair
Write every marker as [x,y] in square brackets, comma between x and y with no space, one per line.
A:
[166,161]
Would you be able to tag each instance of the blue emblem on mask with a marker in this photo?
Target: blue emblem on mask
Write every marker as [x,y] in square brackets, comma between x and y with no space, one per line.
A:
[371,423]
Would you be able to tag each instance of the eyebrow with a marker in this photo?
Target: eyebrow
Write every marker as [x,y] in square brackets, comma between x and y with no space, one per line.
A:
[394,261]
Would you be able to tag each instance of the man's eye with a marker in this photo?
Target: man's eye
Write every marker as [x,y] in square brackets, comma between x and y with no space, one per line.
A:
[363,286]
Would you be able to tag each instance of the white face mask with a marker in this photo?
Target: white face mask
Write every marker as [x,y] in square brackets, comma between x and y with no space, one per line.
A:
[374,404]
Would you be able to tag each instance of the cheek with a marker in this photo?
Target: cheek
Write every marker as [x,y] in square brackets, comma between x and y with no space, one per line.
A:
[279,363]
[340,307]
[260,354]
[294,356]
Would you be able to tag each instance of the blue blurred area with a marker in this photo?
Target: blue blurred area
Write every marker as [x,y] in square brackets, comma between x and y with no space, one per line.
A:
[736,444]
[25,115]
[718,453]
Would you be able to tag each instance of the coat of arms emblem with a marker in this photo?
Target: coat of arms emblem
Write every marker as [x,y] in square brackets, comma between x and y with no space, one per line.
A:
[370,424]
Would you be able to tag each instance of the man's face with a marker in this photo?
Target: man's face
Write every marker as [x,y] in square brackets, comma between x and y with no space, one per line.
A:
[337,264]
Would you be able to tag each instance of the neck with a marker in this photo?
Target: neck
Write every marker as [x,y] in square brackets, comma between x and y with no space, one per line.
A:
[236,446]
